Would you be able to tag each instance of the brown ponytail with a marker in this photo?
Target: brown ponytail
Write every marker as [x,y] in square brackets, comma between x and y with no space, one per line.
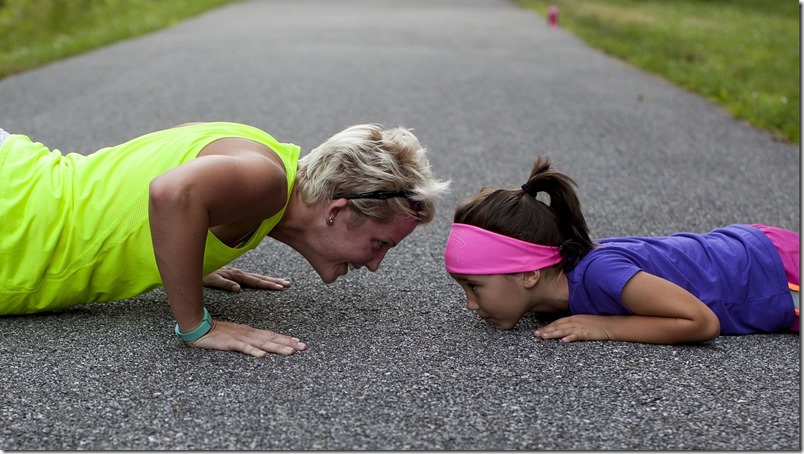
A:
[518,213]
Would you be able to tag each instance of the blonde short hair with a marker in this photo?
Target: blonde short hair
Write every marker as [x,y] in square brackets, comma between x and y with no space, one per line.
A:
[367,158]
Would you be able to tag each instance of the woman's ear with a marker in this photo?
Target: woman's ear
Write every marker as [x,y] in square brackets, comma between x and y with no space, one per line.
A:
[531,278]
[335,208]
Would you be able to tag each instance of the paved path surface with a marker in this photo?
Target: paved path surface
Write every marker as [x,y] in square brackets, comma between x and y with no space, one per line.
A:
[395,362]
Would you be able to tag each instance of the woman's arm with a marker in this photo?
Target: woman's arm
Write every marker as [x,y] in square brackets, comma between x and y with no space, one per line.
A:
[243,186]
[663,313]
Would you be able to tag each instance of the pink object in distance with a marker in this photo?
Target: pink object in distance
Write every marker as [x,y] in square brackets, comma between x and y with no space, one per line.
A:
[552,16]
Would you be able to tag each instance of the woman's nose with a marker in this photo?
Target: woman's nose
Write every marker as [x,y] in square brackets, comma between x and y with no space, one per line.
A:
[374,264]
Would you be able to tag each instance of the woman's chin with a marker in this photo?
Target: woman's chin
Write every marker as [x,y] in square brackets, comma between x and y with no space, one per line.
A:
[332,275]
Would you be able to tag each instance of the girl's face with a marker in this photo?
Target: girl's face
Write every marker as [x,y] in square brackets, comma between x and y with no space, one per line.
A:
[499,299]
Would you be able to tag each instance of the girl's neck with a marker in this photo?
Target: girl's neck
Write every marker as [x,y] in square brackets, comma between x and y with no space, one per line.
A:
[551,294]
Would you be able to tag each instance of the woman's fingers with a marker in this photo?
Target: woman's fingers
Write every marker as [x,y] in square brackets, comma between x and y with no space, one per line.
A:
[232,279]
[264,282]
[215,280]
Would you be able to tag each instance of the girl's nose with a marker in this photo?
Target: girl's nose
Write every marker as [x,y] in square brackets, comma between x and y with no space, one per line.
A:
[471,304]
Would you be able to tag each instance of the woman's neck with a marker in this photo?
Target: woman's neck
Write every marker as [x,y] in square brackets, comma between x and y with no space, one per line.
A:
[297,222]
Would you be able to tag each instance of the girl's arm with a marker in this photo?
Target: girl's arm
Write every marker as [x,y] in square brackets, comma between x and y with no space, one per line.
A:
[663,313]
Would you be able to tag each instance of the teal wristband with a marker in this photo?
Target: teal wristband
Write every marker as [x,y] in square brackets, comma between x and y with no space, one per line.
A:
[194,335]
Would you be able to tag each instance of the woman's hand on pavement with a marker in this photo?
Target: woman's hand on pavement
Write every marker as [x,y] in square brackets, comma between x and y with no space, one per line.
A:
[233,279]
[229,336]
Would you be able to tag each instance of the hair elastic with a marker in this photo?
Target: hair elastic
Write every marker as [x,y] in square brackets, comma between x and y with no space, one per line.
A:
[472,250]
[529,190]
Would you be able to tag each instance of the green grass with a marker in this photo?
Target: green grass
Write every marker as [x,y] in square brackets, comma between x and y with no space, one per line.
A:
[741,54]
[36,32]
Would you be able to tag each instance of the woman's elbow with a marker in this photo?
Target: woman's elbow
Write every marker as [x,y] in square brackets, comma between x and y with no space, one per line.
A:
[164,194]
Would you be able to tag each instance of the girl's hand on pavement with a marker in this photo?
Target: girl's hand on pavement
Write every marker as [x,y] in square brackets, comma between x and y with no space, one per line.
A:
[576,328]
[245,339]
[232,279]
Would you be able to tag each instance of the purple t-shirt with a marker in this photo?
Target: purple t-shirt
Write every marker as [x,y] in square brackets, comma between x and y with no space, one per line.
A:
[736,271]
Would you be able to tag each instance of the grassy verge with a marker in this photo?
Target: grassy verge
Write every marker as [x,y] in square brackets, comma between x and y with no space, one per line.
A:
[741,54]
[35,32]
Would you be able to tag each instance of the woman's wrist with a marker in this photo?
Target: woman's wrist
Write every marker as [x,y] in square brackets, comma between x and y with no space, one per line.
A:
[200,331]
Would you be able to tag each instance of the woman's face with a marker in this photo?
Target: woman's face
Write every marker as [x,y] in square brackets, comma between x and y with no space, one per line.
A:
[499,299]
[351,244]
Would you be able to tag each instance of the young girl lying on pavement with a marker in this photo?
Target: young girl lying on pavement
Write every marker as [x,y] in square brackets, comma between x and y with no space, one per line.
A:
[514,254]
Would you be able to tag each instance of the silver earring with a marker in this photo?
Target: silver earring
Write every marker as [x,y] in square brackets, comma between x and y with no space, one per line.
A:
[330,221]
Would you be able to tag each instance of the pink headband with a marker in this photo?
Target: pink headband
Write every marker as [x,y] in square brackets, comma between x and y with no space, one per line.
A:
[472,250]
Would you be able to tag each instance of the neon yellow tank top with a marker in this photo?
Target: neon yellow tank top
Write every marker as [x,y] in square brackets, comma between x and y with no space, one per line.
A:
[75,228]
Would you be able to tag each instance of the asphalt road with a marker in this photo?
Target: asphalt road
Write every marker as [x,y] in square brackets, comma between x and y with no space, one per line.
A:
[395,361]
